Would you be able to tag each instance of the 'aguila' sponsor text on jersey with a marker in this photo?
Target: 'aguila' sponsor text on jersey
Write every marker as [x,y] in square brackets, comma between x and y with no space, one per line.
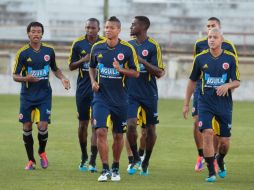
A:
[112,83]
[145,86]
[80,48]
[37,64]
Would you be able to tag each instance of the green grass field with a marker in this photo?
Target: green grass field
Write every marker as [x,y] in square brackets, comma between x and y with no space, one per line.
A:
[171,165]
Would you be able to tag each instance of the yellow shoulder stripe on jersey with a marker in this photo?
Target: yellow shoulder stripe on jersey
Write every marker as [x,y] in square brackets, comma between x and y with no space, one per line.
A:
[195,46]
[159,56]
[17,56]
[74,42]
[47,45]
[233,46]
[135,57]
[201,53]
[236,62]
[102,38]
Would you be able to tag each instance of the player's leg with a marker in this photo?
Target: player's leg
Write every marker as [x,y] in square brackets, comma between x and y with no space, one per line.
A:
[205,125]
[197,134]
[151,118]
[83,108]
[132,134]
[101,114]
[118,117]
[26,115]
[143,135]
[44,112]
[129,152]
[94,151]
[224,142]
[216,130]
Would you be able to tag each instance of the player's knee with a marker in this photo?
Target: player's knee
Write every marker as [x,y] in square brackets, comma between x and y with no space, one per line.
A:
[101,133]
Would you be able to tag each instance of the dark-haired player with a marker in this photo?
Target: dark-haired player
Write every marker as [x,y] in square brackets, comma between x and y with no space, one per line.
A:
[79,59]
[32,65]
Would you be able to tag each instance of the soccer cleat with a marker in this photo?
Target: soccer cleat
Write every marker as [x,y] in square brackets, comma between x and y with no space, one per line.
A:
[115,176]
[199,164]
[216,167]
[83,166]
[144,171]
[105,176]
[134,168]
[222,172]
[44,160]
[30,165]
[211,179]
[92,168]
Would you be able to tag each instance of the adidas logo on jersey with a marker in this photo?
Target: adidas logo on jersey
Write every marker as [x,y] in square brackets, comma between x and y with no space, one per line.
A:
[29,59]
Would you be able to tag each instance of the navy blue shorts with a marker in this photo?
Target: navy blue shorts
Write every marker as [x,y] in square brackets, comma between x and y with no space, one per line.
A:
[35,111]
[206,119]
[105,116]
[149,113]
[84,107]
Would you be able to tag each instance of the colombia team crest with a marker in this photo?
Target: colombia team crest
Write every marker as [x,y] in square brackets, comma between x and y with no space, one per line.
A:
[225,66]
[145,52]
[46,57]
[120,56]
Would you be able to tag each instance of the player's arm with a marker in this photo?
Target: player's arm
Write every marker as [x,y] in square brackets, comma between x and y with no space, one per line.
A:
[194,76]
[66,83]
[76,64]
[93,71]
[153,70]
[189,91]
[128,72]
[58,73]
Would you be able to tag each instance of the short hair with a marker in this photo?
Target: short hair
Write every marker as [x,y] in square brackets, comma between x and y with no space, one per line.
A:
[94,20]
[144,20]
[114,19]
[34,24]
[216,30]
[214,19]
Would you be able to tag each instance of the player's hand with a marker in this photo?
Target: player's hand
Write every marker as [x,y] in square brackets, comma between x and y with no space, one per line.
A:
[222,90]
[31,78]
[66,83]
[185,111]
[116,65]
[95,86]
[86,58]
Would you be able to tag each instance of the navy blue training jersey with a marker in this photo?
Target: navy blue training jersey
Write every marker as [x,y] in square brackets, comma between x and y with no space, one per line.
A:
[214,72]
[38,64]
[112,83]
[202,44]
[80,48]
[145,85]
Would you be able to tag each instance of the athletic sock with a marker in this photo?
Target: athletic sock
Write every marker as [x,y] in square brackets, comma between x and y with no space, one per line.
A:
[200,152]
[210,165]
[83,146]
[220,161]
[43,138]
[135,153]
[147,157]
[93,155]
[29,142]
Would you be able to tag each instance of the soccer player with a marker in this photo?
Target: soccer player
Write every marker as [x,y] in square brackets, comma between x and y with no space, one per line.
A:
[114,60]
[143,92]
[32,65]
[216,67]
[79,59]
[201,45]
